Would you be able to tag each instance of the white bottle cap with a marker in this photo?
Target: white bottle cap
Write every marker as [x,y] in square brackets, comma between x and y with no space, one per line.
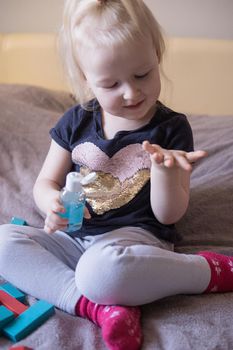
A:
[73,182]
[88,179]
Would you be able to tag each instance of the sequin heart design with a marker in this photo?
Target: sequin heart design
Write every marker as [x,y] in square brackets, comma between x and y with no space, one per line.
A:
[120,177]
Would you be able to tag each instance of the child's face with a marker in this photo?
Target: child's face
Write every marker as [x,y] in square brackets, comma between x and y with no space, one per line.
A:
[124,79]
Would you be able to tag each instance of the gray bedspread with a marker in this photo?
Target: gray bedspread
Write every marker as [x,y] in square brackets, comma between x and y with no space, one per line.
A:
[197,322]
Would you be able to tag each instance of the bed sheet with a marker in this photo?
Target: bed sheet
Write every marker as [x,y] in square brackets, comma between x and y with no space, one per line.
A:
[174,323]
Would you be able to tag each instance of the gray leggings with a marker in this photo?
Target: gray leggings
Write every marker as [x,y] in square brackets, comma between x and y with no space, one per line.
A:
[128,266]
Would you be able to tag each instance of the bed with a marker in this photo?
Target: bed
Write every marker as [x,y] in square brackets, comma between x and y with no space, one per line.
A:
[33,94]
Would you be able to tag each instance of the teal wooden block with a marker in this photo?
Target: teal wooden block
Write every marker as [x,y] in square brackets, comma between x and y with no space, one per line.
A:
[13,291]
[18,221]
[29,320]
[6,316]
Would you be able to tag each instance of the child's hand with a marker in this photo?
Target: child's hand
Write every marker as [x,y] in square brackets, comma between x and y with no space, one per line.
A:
[54,222]
[172,158]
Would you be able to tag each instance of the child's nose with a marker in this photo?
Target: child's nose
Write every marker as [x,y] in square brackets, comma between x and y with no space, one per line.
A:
[131,91]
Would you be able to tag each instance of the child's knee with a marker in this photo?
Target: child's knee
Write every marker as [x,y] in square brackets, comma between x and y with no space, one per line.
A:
[100,274]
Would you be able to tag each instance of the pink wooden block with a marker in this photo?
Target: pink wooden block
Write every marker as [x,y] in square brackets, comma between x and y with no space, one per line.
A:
[11,303]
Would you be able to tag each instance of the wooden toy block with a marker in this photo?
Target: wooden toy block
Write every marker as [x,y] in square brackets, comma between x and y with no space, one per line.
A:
[13,291]
[11,303]
[18,221]
[29,320]
[6,316]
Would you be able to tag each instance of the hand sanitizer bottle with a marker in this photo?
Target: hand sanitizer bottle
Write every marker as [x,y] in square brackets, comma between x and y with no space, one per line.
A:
[73,199]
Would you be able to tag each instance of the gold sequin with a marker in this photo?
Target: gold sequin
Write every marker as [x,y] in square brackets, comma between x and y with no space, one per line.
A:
[107,192]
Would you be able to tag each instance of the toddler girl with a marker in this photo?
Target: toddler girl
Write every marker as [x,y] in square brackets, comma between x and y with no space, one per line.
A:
[142,152]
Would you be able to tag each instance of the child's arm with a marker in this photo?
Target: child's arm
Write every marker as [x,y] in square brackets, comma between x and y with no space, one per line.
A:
[48,184]
[170,179]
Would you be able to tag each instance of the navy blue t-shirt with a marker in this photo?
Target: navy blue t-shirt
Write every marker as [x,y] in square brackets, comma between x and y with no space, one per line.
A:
[121,194]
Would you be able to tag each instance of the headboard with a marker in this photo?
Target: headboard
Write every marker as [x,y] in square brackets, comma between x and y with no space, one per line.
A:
[199,72]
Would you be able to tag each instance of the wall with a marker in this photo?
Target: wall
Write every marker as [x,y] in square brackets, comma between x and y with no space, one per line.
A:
[30,15]
[196,18]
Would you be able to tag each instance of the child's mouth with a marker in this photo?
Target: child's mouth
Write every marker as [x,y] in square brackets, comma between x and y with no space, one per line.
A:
[135,105]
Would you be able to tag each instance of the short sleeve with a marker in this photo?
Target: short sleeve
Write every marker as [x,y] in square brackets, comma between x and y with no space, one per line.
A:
[179,134]
[62,132]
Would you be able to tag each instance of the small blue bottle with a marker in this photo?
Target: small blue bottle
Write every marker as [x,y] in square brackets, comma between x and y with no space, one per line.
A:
[73,199]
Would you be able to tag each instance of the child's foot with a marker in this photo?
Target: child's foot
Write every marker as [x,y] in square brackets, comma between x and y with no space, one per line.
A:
[120,324]
[221,272]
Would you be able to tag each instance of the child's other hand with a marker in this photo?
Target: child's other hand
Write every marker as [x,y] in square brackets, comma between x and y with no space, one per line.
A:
[172,158]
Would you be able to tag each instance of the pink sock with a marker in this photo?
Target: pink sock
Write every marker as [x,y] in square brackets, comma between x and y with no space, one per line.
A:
[221,272]
[120,325]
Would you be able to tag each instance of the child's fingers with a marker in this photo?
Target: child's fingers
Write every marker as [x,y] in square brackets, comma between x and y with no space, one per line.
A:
[57,207]
[47,229]
[157,157]
[168,161]
[154,150]
[170,158]
[145,144]
[54,222]
[196,155]
[158,154]
[183,162]
[51,228]
[151,148]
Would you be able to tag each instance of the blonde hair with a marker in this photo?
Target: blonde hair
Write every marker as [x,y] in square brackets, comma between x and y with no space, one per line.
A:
[93,23]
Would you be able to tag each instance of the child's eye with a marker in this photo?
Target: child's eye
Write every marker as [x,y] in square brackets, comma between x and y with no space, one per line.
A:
[111,86]
[141,76]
